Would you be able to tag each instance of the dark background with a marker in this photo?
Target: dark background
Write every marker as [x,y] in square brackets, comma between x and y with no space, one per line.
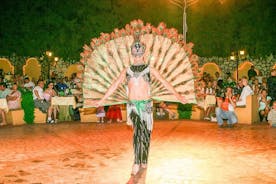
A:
[217,27]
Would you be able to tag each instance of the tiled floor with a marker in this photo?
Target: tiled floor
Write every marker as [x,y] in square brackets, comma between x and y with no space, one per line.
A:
[184,152]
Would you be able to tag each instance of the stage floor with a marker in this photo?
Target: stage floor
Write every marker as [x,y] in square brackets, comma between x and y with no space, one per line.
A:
[184,152]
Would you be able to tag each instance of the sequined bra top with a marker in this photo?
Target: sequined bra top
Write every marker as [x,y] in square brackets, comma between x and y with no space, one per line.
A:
[137,71]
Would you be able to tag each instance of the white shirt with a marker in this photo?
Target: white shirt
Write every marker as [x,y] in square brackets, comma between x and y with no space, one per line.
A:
[30,84]
[246,91]
[39,91]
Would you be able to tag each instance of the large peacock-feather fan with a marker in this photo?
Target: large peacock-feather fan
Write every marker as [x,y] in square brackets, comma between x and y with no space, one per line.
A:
[107,56]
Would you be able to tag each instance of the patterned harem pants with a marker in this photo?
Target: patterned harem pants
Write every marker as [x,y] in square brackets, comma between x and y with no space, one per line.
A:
[140,116]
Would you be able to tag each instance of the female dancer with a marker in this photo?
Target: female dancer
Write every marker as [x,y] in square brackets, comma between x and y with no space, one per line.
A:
[139,107]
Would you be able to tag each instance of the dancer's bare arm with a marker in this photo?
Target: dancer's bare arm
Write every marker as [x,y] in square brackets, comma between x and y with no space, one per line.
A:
[167,85]
[112,88]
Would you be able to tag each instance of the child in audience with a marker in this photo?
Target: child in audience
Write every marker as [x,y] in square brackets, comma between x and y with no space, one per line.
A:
[210,100]
[272,115]
[256,87]
[100,114]
[114,113]
[264,102]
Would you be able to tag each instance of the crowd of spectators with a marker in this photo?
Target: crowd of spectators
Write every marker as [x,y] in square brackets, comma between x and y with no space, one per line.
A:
[224,94]
[217,96]
[42,92]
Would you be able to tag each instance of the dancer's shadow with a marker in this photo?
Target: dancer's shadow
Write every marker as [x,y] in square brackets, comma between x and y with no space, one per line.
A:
[139,178]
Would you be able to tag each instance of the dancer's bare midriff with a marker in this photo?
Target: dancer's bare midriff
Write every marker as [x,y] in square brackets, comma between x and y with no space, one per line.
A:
[138,89]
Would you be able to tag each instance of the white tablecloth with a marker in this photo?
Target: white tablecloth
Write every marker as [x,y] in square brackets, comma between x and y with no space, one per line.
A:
[68,100]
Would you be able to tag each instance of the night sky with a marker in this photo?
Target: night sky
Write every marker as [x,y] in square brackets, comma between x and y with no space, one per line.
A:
[217,27]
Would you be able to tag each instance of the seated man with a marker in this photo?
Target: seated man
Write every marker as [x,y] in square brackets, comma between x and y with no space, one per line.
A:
[225,109]
[40,101]
[28,84]
[61,87]
[246,91]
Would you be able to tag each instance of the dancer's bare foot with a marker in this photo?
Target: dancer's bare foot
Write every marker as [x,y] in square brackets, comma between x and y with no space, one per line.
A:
[135,169]
[144,166]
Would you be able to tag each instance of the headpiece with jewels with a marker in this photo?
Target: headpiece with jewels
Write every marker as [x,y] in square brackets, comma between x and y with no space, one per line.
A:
[137,48]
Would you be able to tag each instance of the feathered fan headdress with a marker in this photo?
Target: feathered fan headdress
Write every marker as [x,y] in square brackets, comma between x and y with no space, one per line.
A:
[162,48]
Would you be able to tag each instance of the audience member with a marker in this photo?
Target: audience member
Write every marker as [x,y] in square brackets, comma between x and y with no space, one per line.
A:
[259,77]
[28,84]
[114,113]
[238,89]
[218,77]
[256,87]
[4,91]
[264,102]
[66,81]
[61,87]
[210,100]
[271,83]
[225,109]
[14,98]
[264,84]
[163,107]
[201,93]
[100,114]
[48,94]
[229,78]
[246,91]
[40,101]
[272,115]
[251,72]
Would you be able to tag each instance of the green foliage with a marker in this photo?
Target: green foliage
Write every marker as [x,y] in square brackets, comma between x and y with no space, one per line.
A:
[28,28]
[27,105]
[184,111]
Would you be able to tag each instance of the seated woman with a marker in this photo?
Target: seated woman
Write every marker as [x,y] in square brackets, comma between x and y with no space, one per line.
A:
[14,98]
[48,94]
[264,102]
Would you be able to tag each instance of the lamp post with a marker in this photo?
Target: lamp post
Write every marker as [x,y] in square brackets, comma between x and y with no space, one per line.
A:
[49,55]
[237,56]
[184,4]
[50,60]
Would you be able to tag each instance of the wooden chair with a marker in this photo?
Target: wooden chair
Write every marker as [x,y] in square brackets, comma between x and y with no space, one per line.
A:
[88,114]
[197,113]
[15,117]
[249,113]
